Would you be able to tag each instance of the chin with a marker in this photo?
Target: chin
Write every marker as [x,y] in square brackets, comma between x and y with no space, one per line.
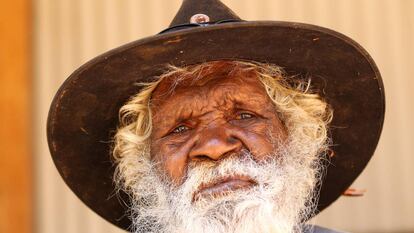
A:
[242,212]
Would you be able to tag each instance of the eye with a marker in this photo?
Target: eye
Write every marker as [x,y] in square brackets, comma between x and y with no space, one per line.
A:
[180,129]
[245,115]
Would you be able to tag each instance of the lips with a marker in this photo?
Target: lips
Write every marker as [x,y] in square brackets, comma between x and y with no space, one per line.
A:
[223,186]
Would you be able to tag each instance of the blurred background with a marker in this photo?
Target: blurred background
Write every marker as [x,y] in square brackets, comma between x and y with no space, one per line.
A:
[42,42]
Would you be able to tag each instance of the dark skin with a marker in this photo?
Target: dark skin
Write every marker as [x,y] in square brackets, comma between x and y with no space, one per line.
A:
[209,120]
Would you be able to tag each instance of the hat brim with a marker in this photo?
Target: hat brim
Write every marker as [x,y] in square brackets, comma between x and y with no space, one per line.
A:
[84,114]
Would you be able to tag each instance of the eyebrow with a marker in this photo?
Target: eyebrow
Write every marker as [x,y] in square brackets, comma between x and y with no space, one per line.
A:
[172,119]
[247,104]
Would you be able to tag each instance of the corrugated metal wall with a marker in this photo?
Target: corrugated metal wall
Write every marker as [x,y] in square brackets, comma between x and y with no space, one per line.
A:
[70,32]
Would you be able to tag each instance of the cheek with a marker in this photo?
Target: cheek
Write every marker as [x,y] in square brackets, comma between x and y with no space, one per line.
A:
[264,138]
[259,144]
[171,159]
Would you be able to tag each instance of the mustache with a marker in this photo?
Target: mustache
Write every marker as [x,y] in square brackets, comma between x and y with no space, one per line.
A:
[237,171]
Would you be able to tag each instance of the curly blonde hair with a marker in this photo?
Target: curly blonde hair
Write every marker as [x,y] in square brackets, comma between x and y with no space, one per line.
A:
[299,109]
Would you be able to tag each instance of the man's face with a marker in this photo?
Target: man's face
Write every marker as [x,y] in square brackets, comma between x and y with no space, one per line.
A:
[219,158]
[209,120]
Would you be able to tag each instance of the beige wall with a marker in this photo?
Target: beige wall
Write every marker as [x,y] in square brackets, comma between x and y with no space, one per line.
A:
[70,32]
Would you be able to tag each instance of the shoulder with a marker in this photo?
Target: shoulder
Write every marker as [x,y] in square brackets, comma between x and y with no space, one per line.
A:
[318,229]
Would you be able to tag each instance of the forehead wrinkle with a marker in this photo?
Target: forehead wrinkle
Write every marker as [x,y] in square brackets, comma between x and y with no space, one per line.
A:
[190,106]
[221,96]
[236,99]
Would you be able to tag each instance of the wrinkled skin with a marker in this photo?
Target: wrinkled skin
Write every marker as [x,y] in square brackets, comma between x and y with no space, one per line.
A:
[209,120]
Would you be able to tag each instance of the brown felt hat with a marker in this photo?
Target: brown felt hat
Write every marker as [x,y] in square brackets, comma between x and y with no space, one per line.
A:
[84,114]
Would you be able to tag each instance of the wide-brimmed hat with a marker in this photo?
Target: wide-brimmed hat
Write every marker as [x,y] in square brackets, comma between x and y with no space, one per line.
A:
[84,113]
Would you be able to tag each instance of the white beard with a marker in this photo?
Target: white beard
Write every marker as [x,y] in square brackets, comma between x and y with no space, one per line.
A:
[281,200]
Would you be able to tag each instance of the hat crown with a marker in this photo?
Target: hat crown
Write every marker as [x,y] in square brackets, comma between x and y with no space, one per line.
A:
[214,9]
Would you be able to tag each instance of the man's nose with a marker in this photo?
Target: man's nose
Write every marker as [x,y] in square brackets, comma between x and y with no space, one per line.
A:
[215,143]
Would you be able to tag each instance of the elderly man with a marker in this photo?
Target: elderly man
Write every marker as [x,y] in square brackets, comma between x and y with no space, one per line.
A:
[223,140]
[223,146]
